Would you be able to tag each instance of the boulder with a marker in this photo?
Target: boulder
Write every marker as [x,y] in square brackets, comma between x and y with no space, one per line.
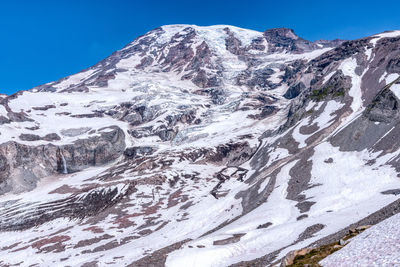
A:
[137,151]
[289,258]
[384,107]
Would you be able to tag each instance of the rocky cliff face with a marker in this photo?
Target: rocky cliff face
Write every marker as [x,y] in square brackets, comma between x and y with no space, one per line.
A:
[201,146]
[23,165]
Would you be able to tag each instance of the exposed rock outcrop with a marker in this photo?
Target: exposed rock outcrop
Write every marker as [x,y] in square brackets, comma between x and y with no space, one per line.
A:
[21,166]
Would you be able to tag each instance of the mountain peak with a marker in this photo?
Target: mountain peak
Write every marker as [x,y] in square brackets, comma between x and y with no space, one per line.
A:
[194,53]
[281,32]
[169,150]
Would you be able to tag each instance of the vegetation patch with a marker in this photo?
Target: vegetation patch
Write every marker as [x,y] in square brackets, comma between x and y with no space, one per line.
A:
[310,111]
[314,256]
[321,94]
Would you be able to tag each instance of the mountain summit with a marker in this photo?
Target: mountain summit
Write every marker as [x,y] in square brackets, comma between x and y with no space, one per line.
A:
[207,56]
[202,146]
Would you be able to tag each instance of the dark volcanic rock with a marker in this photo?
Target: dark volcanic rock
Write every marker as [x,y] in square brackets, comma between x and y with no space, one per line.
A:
[138,151]
[180,51]
[166,134]
[51,137]
[336,87]
[233,44]
[34,137]
[283,39]
[294,91]
[259,79]
[391,192]
[384,108]
[345,50]
[29,137]
[4,120]
[394,65]
[44,108]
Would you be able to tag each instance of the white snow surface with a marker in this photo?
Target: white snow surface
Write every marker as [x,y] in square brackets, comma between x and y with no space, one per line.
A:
[391,78]
[216,33]
[395,88]
[384,35]
[348,67]
[375,247]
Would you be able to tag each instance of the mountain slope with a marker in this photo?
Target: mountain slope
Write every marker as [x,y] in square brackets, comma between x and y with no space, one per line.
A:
[200,146]
[380,243]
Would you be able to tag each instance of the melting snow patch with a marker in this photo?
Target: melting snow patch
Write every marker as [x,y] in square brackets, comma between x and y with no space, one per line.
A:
[327,116]
[391,78]
[3,111]
[395,88]
[368,53]
[383,77]
[327,77]
[384,35]
[351,181]
[348,67]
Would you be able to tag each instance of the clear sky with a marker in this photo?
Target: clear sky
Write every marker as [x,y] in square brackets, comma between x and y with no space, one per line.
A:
[43,40]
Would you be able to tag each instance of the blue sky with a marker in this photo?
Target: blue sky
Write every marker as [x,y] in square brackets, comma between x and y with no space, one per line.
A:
[43,41]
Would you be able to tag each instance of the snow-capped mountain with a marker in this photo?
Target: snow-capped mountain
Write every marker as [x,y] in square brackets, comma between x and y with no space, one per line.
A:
[201,146]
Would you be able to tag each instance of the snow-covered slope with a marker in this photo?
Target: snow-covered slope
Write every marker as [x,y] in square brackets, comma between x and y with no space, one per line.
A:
[200,146]
[377,246]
